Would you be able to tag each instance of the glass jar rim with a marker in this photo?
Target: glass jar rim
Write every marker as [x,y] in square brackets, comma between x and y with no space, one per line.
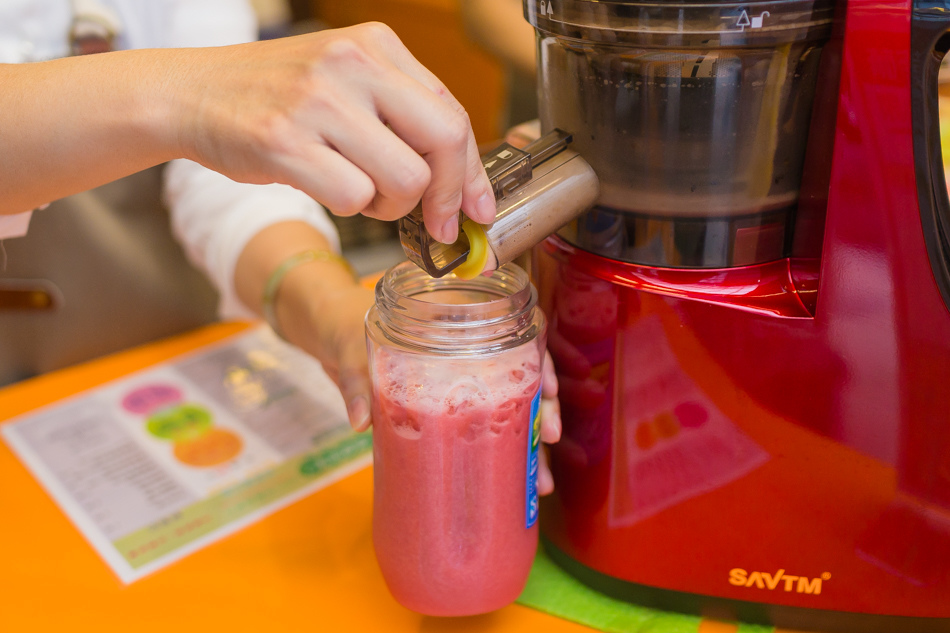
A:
[506,319]
[402,284]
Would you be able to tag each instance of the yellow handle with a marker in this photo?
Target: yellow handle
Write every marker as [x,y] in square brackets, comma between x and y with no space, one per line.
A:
[474,264]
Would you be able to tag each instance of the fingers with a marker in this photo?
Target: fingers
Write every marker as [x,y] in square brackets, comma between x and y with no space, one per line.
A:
[550,420]
[400,175]
[353,367]
[329,178]
[355,387]
[332,331]
[367,100]
[478,198]
[545,478]
[475,197]
[442,136]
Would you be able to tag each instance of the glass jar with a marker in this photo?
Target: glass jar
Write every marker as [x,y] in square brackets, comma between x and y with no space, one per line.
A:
[456,371]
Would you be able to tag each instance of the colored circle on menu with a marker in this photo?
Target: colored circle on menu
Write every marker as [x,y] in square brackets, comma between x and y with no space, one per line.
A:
[213,448]
[149,398]
[179,424]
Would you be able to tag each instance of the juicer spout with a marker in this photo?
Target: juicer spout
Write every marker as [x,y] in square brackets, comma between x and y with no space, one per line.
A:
[538,190]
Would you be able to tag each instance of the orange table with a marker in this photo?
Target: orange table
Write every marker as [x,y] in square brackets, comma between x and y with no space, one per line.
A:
[309,567]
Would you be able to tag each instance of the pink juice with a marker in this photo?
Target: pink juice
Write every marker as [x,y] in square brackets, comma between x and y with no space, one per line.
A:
[455,467]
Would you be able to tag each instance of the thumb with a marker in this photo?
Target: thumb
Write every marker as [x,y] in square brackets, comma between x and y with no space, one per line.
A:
[355,387]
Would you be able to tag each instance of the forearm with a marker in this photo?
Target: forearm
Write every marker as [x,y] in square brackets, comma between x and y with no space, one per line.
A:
[72,124]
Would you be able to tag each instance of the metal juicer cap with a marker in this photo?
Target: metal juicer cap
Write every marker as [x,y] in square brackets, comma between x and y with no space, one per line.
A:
[683,23]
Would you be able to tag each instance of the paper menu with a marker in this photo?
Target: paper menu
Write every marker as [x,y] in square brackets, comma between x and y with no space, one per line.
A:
[164,461]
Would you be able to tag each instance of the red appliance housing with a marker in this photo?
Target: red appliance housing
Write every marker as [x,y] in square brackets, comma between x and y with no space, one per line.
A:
[772,443]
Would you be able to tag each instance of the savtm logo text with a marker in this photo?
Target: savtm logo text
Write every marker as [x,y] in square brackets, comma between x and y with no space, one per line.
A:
[777,581]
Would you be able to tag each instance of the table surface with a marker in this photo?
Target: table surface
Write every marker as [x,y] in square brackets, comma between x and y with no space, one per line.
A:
[309,566]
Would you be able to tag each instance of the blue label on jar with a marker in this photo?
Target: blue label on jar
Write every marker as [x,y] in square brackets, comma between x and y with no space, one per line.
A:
[534,444]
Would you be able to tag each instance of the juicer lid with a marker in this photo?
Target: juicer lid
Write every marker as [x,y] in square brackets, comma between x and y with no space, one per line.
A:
[683,22]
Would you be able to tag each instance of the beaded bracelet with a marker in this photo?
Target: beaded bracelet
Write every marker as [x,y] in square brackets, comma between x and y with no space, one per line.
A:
[268,302]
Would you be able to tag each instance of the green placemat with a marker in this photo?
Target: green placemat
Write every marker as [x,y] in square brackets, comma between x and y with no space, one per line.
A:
[554,591]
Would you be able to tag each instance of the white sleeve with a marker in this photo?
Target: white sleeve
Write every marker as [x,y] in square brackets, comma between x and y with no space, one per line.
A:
[214,218]
[195,23]
[14,225]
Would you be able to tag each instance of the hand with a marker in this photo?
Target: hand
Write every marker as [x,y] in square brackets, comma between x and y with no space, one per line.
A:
[348,116]
[338,340]
[319,307]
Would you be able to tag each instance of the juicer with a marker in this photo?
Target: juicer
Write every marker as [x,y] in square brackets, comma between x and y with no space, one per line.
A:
[751,328]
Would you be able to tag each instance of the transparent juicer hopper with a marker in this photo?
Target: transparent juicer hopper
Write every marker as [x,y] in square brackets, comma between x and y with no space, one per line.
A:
[694,117]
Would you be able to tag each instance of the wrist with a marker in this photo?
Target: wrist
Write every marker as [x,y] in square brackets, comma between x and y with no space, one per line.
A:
[171,101]
[302,288]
